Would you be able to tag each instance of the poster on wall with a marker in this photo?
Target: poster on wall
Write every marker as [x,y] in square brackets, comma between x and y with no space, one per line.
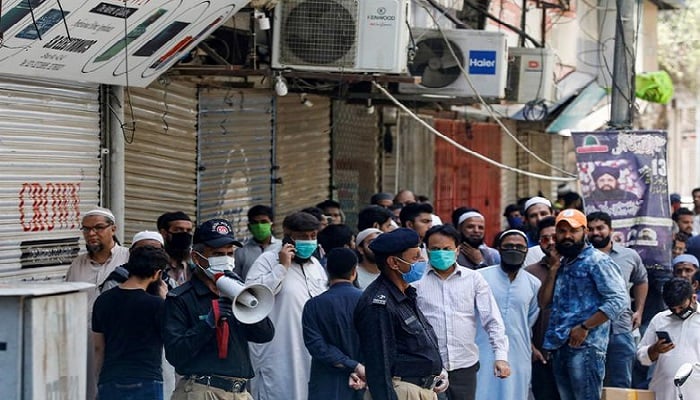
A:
[111,42]
[624,174]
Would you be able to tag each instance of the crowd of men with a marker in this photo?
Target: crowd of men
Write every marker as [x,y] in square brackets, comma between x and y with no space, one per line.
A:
[400,307]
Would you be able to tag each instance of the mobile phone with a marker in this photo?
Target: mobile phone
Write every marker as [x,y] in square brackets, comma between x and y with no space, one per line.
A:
[288,240]
[664,335]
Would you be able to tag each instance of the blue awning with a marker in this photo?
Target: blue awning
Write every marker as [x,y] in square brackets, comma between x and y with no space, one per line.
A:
[580,108]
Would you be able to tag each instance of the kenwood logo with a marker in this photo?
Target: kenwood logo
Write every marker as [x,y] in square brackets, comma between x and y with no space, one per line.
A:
[482,62]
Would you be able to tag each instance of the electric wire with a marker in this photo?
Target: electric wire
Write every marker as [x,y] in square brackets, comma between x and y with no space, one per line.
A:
[490,110]
[494,18]
[465,149]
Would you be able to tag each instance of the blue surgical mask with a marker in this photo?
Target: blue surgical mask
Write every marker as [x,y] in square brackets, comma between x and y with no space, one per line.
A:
[442,260]
[416,271]
[305,248]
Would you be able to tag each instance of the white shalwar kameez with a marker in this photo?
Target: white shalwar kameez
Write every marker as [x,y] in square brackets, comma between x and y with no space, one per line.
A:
[282,366]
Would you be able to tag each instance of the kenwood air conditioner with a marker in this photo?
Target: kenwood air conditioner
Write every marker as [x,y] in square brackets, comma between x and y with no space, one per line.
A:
[482,55]
[530,75]
[341,35]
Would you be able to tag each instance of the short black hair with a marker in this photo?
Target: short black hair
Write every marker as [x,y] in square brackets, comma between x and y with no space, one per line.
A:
[315,211]
[600,216]
[335,236]
[697,189]
[340,263]
[546,222]
[164,220]
[144,261]
[445,230]
[458,213]
[301,222]
[411,211]
[258,210]
[328,204]
[676,291]
[681,211]
[370,215]
[511,208]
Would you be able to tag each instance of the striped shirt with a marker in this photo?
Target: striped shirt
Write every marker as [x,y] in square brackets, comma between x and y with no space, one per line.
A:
[453,306]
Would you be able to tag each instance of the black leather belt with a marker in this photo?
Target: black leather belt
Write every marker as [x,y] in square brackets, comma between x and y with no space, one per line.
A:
[425,382]
[235,385]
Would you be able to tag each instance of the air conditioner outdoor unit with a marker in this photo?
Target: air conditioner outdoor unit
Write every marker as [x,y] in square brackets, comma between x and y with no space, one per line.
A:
[530,75]
[341,35]
[482,55]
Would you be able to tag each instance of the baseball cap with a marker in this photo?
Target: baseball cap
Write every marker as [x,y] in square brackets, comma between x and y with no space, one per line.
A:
[215,233]
[573,217]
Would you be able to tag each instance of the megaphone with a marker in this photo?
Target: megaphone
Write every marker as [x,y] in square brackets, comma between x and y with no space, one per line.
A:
[251,303]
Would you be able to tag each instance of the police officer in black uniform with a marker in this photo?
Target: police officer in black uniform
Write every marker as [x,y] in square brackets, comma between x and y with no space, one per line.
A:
[202,338]
[400,349]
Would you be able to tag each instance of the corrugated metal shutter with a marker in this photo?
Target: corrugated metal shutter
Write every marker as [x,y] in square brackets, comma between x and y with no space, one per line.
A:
[161,161]
[355,155]
[235,154]
[303,153]
[50,148]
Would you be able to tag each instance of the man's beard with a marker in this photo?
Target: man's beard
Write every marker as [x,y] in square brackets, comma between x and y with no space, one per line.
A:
[472,241]
[94,248]
[599,242]
[569,248]
[369,257]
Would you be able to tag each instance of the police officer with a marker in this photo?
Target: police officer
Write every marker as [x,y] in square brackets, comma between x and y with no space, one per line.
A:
[400,349]
[202,338]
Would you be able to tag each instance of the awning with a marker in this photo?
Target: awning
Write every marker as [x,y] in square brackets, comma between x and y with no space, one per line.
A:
[96,41]
[583,113]
[670,4]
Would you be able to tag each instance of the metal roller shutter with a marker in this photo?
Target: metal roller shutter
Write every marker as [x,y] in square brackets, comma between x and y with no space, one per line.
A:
[50,149]
[161,159]
[355,157]
[235,154]
[302,151]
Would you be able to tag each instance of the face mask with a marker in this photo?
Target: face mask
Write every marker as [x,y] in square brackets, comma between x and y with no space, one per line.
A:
[305,248]
[685,314]
[218,265]
[442,260]
[570,249]
[512,258]
[599,242]
[261,231]
[179,244]
[416,271]
[515,222]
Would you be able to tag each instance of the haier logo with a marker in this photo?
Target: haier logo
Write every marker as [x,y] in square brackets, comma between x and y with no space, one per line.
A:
[482,62]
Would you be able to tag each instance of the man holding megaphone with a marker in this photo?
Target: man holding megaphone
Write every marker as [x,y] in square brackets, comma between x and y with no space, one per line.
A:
[209,320]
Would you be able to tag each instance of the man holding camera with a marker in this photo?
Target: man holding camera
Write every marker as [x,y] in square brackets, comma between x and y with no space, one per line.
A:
[202,338]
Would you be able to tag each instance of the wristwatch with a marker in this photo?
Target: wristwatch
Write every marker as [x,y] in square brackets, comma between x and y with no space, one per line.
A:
[583,326]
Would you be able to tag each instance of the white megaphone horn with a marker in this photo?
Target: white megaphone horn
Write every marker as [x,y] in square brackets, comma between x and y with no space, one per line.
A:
[251,303]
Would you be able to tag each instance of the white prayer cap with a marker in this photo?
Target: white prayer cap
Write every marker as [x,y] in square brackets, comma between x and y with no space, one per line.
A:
[363,235]
[148,235]
[104,212]
[467,215]
[537,200]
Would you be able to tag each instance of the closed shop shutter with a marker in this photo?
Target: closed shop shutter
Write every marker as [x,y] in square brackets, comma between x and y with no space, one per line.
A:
[302,154]
[235,153]
[161,159]
[355,145]
[416,171]
[50,149]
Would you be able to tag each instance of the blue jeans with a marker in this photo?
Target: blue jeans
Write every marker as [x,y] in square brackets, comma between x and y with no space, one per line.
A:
[131,389]
[619,360]
[579,373]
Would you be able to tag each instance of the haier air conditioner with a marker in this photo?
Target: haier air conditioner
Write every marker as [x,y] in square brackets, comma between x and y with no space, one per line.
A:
[482,55]
[341,35]
[530,75]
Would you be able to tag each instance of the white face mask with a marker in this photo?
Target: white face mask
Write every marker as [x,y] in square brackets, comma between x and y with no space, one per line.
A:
[218,265]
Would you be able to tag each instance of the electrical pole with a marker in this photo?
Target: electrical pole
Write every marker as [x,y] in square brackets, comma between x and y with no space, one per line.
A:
[623,97]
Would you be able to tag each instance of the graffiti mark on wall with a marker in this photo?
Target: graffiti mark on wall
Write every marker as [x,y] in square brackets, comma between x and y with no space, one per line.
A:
[45,207]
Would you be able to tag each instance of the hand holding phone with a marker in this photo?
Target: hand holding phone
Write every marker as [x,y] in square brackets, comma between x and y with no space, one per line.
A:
[287,252]
[665,336]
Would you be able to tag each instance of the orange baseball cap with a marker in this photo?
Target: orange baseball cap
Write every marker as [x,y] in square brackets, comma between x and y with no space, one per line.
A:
[573,217]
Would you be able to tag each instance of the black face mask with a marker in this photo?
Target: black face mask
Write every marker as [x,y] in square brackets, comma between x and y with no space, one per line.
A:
[569,248]
[178,245]
[687,312]
[599,242]
[512,258]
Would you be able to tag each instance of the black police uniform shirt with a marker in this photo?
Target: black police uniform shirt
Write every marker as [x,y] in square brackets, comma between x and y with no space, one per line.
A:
[130,321]
[395,338]
[190,343]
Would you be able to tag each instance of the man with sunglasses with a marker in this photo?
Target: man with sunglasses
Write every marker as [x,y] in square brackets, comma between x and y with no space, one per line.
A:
[103,255]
